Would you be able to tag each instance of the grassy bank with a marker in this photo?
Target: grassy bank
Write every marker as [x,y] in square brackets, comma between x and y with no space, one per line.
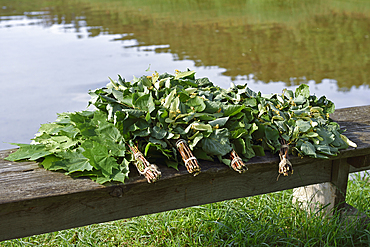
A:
[266,220]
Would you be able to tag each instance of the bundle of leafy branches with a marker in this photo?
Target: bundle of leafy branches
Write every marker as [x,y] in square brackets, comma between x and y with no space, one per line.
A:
[177,119]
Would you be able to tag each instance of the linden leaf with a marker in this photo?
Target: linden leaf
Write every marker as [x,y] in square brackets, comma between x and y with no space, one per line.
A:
[348,141]
[217,143]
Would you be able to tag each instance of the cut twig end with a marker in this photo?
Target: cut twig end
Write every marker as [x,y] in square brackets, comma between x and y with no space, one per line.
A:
[284,165]
[237,163]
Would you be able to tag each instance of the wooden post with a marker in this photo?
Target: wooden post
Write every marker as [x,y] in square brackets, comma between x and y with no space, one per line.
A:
[339,178]
[325,196]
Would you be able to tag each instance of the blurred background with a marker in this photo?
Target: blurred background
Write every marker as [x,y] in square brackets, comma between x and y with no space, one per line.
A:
[53,52]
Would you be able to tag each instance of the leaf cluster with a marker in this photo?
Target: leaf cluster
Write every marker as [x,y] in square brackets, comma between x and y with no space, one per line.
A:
[80,144]
[153,112]
[300,120]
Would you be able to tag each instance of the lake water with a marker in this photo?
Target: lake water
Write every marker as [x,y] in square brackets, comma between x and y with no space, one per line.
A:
[51,54]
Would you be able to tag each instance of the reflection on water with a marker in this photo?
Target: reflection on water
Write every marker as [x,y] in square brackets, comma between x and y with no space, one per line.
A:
[53,52]
[274,40]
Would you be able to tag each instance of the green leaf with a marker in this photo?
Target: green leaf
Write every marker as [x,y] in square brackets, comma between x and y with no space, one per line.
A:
[238,133]
[102,179]
[250,102]
[249,150]
[199,126]
[330,107]
[196,103]
[308,149]
[217,143]
[28,151]
[253,128]
[248,92]
[158,132]
[225,161]
[212,106]
[118,95]
[145,102]
[299,100]
[99,157]
[174,108]
[311,134]
[240,146]
[271,134]
[326,150]
[204,82]
[147,117]
[184,74]
[49,161]
[288,93]
[157,141]
[220,122]
[134,113]
[71,162]
[259,133]
[303,90]
[127,100]
[201,155]
[110,137]
[142,133]
[194,141]
[146,82]
[348,141]
[169,98]
[59,143]
[231,110]
[326,136]
[172,164]
[277,118]
[118,176]
[154,146]
[258,150]
[113,83]
[303,126]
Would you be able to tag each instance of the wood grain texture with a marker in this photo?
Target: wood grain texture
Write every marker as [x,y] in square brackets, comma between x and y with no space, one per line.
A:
[35,201]
[339,178]
[51,213]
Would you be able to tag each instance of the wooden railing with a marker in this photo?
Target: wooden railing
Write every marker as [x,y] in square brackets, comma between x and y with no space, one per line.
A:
[35,201]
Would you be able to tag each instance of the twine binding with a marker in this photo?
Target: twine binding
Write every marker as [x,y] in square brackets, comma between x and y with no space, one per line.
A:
[284,165]
[187,156]
[150,171]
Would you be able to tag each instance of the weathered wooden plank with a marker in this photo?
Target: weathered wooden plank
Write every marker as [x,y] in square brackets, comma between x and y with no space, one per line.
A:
[356,122]
[51,213]
[359,163]
[354,169]
[21,181]
[34,201]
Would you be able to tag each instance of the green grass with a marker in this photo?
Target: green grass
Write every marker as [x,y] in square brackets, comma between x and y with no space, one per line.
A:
[266,220]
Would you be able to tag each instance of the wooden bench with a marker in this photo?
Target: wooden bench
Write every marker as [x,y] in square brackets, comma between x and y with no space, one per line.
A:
[35,201]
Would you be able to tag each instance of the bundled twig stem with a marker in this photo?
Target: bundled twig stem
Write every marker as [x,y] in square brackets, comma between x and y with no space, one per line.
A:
[150,171]
[237,163]
[284,166]
[189,159]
